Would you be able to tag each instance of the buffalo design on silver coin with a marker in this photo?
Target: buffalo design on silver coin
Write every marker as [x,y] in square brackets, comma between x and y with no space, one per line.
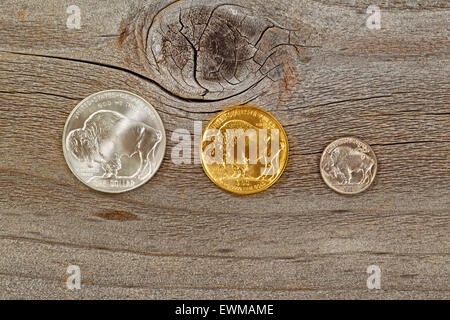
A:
[118,146]
[348,165]
[107,136]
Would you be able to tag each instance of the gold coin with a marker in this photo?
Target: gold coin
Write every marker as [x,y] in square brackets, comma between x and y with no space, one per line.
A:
[244,149]
[348,165]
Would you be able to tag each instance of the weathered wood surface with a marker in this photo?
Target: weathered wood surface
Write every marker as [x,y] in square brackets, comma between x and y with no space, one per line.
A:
[179,236]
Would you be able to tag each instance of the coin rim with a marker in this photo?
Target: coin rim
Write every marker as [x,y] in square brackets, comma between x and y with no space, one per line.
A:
[148,104]
[270,116]
[334,188]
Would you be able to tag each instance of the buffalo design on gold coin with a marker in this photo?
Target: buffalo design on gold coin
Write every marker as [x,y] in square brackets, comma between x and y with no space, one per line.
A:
[244,149]
[348,165]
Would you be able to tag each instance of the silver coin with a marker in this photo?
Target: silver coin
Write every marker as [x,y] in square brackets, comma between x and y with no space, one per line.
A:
[348,165]
[114,141]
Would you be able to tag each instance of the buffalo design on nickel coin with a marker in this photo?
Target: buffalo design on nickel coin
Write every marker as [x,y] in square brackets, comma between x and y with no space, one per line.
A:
[348,165]
[114,141]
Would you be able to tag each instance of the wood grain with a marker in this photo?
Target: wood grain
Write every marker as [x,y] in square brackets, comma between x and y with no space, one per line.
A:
[179,236]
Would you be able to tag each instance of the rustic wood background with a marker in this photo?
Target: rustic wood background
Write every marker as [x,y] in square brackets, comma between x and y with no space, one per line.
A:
[179,236]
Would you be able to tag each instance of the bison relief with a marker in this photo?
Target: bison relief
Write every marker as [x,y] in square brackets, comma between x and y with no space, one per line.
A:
[348,166]
[243,165]
[108,139]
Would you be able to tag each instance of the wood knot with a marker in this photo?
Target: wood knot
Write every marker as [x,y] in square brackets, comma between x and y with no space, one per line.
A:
[208,51]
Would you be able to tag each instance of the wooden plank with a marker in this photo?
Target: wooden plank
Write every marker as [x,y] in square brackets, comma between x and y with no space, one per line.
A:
[179,236]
